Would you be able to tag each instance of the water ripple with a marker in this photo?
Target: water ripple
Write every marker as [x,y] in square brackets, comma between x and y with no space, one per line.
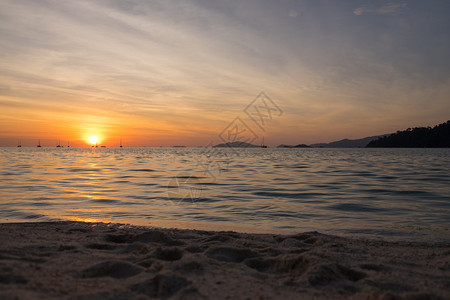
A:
[369,192]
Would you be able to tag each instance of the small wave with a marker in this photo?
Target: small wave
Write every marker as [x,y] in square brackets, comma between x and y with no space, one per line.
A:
[297,195]
[41,204]
[109,201]
[76,170]
[410,192]
[30,216]
[356,207]
[122,181]
[9,174]
[145,184]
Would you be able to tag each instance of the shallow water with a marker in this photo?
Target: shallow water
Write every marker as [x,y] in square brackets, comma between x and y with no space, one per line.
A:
[393,194]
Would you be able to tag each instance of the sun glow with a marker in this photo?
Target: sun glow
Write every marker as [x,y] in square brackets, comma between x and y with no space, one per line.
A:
[93,139]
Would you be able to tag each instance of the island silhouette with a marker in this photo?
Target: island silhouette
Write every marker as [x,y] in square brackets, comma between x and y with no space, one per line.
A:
[418,137]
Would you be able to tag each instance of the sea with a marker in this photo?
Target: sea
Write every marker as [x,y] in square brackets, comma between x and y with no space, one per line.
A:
[387,194]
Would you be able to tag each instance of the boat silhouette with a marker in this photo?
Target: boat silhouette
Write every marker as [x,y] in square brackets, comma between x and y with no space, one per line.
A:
[262,144]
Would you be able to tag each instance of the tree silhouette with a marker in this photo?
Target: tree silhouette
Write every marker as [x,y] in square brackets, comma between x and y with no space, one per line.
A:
[419,137]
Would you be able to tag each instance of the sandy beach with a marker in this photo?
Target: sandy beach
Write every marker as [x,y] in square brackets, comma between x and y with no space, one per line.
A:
[75,260]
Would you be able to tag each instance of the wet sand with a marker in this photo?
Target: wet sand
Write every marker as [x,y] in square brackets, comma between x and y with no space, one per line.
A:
[75,260]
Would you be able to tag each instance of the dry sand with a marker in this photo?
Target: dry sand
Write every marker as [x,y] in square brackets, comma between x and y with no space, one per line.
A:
[73,260]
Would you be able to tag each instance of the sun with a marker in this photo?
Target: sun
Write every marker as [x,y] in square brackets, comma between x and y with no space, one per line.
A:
[93,139]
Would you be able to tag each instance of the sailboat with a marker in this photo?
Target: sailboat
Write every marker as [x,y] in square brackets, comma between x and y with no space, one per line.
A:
[120,143]
[39,144]
[262,145]
[59,144]
[68,144]
[19,144]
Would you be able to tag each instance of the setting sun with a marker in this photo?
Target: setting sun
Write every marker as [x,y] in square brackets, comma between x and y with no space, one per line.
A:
[93,139]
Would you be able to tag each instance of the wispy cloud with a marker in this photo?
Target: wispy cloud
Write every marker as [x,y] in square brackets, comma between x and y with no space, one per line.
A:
[383,10]
[156,66]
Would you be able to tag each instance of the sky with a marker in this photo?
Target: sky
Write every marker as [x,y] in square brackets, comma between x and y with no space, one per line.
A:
[164,73]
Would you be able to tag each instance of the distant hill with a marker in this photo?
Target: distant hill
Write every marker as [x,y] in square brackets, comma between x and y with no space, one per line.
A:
[290,146]
[346,143]
[419,137]
[236,144]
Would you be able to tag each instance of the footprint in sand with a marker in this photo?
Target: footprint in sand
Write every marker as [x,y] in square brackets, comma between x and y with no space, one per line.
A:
[161,286]
[114,269]
[230,254]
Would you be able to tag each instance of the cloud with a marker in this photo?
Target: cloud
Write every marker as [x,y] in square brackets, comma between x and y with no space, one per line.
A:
[383,10]
[158,66]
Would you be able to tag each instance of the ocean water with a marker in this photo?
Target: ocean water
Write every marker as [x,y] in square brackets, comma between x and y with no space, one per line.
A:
[390,194]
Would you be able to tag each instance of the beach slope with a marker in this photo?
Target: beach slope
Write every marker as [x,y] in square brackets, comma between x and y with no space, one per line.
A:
[75,260]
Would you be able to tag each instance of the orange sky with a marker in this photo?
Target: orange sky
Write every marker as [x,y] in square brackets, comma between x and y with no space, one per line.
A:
[164,74]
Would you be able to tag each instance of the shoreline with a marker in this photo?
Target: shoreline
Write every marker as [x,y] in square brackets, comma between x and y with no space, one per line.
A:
[77,260]
[433,234]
